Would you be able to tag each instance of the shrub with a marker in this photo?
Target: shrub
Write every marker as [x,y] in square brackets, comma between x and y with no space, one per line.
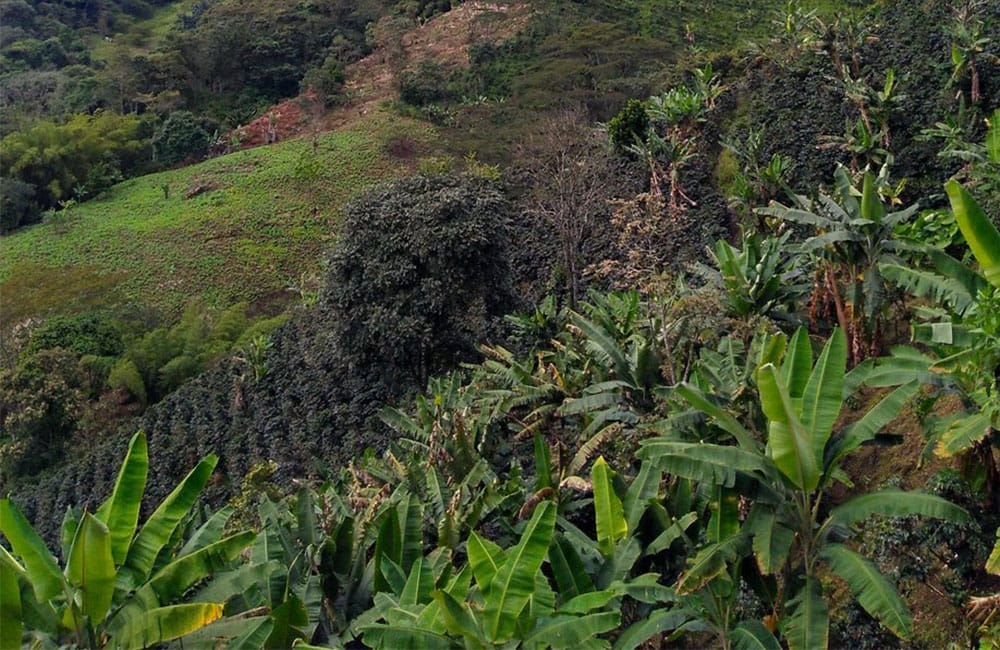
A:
[125,375]
[418,273]
[90,334]
[631,122]
[180,137]
[326,80]
[428,84]
[17,204]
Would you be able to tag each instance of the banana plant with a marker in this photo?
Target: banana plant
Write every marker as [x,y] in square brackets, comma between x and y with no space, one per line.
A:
[854,236]
[759,279]
[789,530]
[500,598]
[121,587]
[964,332]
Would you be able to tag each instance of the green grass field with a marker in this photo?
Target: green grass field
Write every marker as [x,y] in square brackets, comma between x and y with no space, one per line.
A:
[264,217]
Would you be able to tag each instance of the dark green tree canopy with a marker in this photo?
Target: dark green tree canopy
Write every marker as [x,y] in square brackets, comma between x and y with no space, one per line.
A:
[419,273]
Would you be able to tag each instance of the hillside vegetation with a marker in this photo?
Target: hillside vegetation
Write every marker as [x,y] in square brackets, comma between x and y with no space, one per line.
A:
[547,324]
[241,227]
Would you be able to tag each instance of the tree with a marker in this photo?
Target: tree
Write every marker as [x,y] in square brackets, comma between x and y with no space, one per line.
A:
[180,137]
[787,531]
[17,205]
[964,331]
[855,234]
[418,273]
[571,182]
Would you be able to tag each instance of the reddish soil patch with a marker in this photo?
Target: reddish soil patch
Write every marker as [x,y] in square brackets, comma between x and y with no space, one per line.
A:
[280,122]
[371,81]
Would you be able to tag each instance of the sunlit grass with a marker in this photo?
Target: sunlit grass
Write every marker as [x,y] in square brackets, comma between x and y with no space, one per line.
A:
[266,215]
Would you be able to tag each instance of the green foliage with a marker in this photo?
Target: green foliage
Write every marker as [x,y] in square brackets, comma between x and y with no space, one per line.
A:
[96,333]
[326,80]
[418,272]
[136,247]
[630,124]
[125,374]
[17,204]
[41,400]
[181,136]
[427,84]
[800,461]
[113,590]
[166,357]
[760,278]
[80,158]
[855,233]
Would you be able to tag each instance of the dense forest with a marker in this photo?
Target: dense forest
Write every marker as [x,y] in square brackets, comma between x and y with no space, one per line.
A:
[539,323]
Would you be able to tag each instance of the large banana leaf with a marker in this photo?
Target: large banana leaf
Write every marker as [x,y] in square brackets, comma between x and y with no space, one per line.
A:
[772,540]
[160,526]
[896,503]
[604,347]
[724,521]
[788,441]
[608,513]
[873,591]
[659,621]
[939,289]
[963,434]
[724,419]
[246,580]
[993,562]
[165,624]
[209,532]
[570,632]
[512,586]
[121,511]
[644,487]
[808,624]
[485,558]
[233,632]
[710,562]
[567,567]
[876,418]
[993,137]
[43,573]
[458,619]
[752,635]
[91,568]
[797,365]
[393,637]
[173,580]
[10,608]
[703,462]
[980,233]
[823,396]
[871,203]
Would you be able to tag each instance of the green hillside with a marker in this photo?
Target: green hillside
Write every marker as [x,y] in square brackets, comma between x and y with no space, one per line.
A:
[255,221]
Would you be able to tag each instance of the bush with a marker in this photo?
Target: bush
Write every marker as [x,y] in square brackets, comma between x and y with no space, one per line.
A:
[74,159]
[631,122]
[126,375]
[326,80]
[428,84]
[180,137]
[17,204]
[418,272]
[90,334]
